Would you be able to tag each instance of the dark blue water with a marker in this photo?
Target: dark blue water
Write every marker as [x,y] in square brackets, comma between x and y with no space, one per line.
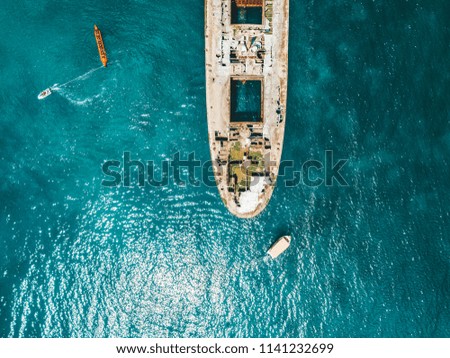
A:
[368,80]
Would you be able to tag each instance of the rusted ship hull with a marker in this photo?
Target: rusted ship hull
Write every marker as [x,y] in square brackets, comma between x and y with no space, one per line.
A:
[246,77]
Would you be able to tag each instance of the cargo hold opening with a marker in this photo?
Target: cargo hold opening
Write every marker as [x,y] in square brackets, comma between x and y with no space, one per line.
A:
[246,100]
[247,12]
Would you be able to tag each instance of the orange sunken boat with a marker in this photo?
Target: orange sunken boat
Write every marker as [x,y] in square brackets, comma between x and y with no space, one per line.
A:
[101,46]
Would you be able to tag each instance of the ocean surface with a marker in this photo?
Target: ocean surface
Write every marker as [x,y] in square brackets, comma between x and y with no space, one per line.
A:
[369,80]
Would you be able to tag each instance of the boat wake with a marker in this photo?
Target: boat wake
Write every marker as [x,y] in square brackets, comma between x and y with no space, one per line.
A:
[58,87]
[66,91]
[80,101]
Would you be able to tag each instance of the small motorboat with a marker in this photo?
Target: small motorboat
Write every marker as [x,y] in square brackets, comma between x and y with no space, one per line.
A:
[280,246]
[45,93]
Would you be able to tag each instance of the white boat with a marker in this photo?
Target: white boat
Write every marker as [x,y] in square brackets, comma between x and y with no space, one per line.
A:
[45,93]
[280,246]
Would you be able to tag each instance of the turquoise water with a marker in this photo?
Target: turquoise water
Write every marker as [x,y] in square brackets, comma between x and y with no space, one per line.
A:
[245,101]
[368,80]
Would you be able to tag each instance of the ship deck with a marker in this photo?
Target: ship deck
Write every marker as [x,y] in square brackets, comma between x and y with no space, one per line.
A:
[246,144]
